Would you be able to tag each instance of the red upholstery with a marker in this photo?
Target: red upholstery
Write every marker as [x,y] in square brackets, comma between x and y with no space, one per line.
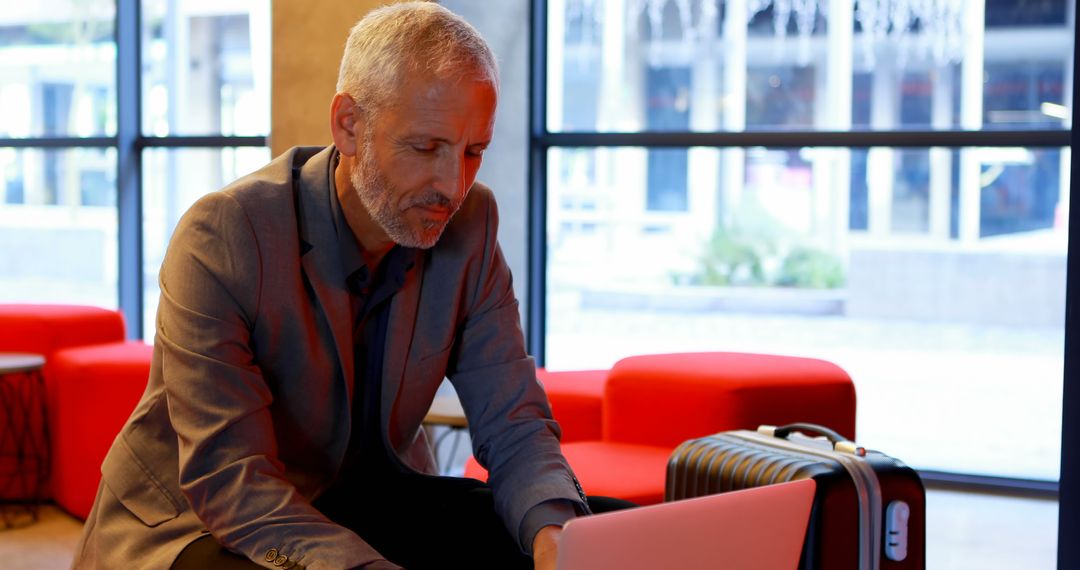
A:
[576,401]
[97,387]
[653,403]
[474,469]
[46,329]
[43,329]
[622,470]
[665,399]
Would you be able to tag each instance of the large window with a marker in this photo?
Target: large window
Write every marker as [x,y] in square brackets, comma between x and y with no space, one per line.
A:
[117,115]
[881,184]
[887,189]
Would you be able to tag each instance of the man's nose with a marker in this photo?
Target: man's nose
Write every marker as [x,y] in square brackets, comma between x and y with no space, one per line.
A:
[450,177]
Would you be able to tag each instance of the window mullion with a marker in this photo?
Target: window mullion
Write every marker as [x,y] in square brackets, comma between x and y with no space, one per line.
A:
[536,290]
[129,164]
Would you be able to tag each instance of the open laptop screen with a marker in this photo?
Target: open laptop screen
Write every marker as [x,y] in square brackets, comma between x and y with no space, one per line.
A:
[754,529]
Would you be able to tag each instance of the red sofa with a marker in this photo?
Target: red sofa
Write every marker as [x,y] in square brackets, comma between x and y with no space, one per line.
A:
[44,329]
[93,379]
[619,426]
[652,403]
[576,399]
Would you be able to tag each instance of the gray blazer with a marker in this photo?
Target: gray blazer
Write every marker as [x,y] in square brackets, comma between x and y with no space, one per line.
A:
[246,414]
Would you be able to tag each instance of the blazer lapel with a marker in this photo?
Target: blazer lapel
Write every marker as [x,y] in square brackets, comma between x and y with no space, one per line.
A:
[321,260]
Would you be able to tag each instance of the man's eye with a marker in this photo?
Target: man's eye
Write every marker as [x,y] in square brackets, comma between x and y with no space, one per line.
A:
[424,148]
[478,153]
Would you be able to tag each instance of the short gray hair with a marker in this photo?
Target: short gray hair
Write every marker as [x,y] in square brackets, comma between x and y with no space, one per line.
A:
[423,37]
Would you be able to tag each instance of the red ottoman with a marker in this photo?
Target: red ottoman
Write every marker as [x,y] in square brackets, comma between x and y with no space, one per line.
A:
[576,399]
[45,329]
[97,387]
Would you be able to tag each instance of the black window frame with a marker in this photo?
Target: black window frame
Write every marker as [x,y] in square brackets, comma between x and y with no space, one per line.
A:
[1067,489]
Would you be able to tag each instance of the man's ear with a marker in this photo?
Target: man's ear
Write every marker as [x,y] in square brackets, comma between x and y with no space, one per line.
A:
[343,124]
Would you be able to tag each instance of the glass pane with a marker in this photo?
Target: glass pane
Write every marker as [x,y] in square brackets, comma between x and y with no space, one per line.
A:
[57,69]
[173,179]
[206,67]
[58,226]
[990,532]
[708,65]
[935,277]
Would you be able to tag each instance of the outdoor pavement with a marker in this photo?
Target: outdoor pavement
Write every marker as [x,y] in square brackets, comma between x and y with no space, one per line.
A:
[941,396]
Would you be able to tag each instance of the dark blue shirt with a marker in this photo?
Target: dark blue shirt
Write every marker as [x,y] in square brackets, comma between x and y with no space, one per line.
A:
[370,294]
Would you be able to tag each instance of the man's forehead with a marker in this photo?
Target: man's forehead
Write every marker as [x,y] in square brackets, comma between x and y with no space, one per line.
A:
[436,87]
[442,103]
[448,131]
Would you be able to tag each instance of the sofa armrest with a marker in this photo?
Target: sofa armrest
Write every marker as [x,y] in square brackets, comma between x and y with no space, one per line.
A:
[44,329]
[576,398]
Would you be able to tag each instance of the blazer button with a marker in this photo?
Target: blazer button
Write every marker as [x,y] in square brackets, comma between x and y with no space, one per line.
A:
[271,555]
[281,560]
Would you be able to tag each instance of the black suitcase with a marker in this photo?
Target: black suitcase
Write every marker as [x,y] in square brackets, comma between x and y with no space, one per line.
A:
[869,511]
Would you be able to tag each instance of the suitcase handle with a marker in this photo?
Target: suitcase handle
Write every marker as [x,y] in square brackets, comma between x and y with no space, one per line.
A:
[839,442]
[784,431]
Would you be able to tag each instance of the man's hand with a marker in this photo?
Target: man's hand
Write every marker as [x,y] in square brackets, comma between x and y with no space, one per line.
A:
[545,547]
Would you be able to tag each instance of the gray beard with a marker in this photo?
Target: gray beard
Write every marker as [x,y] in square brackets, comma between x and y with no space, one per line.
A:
[377,195]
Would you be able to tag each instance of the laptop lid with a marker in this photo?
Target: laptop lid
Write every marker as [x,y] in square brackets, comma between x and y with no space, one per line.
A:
[754,529]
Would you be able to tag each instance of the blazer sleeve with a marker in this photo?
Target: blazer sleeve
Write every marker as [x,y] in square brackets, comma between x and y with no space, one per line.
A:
[219,402]
[514,436]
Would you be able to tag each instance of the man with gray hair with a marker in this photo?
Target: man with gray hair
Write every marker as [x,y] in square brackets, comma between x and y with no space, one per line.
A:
[309,312]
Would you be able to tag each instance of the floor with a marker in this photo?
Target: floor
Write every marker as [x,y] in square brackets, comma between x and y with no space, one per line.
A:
[47,544]
[964,531]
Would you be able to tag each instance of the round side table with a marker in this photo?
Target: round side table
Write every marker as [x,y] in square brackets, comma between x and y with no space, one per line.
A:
[24,438]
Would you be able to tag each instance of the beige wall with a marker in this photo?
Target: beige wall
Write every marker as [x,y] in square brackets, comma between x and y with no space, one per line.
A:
[308,36]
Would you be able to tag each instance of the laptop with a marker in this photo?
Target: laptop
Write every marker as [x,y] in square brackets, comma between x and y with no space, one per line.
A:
[754,529]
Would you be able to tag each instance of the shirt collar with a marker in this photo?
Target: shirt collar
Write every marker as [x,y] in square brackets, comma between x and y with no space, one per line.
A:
[397,262]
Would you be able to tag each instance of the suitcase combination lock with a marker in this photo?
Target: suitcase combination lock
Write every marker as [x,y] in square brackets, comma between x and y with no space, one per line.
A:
[896,530]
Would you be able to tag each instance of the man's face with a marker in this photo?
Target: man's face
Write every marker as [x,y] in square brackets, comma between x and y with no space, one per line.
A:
[418,158]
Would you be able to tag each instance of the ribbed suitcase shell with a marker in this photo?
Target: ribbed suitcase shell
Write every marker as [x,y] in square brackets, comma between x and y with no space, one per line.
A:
[847,527]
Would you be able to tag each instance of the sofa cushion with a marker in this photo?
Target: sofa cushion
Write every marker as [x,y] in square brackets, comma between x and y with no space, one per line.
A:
[635,473]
